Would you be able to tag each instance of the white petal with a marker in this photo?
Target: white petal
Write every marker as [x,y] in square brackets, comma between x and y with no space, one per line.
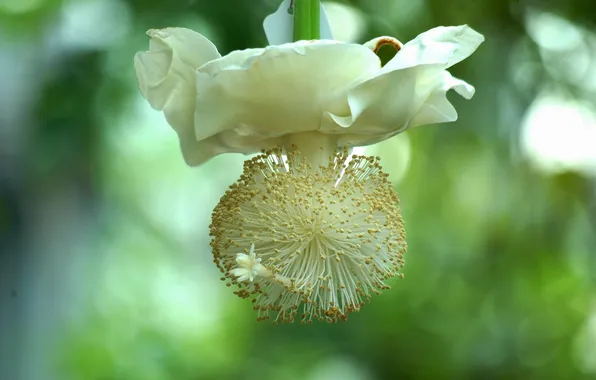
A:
[244,260]
[241,273]
[262,94]
[445,45]
[197,152]
[410,90]
[244,277]
[437,109]
[166,77]
[386,103]
[400,99]
[174,54]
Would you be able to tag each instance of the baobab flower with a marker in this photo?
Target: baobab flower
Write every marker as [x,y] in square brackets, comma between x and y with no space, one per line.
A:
[308,231]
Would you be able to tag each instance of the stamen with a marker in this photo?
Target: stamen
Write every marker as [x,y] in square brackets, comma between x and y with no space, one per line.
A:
[319,241]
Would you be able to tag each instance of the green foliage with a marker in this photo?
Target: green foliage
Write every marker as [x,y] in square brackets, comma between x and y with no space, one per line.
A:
[499,280]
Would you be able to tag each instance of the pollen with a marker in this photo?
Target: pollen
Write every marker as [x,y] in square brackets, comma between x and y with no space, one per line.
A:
[322,240]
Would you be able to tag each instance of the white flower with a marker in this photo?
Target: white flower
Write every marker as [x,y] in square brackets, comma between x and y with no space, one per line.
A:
[260,98]
[327,226]
[249,266]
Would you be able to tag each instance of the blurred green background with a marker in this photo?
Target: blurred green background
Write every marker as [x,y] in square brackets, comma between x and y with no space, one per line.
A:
[106,272]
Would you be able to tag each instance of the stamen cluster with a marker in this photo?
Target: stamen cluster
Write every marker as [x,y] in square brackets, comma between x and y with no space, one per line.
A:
[308,243]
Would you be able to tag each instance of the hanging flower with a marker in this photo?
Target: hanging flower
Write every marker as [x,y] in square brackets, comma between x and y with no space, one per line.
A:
[307,228]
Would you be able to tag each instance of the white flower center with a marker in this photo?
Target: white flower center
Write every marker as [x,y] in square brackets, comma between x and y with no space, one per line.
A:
[249,266]
[326,238]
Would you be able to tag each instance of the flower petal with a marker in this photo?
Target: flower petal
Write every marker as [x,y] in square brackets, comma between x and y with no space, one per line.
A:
[174,54]
[263,94]
[437,109]
[243,260]
[198,152]
[409,90]
[242,274]
[386,103]
[166,77]
[445,45]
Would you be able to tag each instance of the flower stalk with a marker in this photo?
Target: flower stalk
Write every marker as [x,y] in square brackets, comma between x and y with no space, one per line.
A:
[307,20]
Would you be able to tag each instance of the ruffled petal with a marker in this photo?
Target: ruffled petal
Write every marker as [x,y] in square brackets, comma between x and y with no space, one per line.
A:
[445,45]
[197,152]
[262,94]
[386,103]
[252,99]
[174,54]
[410,90]
[166,77]
[437,109]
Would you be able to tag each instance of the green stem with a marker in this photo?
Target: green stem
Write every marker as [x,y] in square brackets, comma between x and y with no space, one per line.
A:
[315,19]
[307,20]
